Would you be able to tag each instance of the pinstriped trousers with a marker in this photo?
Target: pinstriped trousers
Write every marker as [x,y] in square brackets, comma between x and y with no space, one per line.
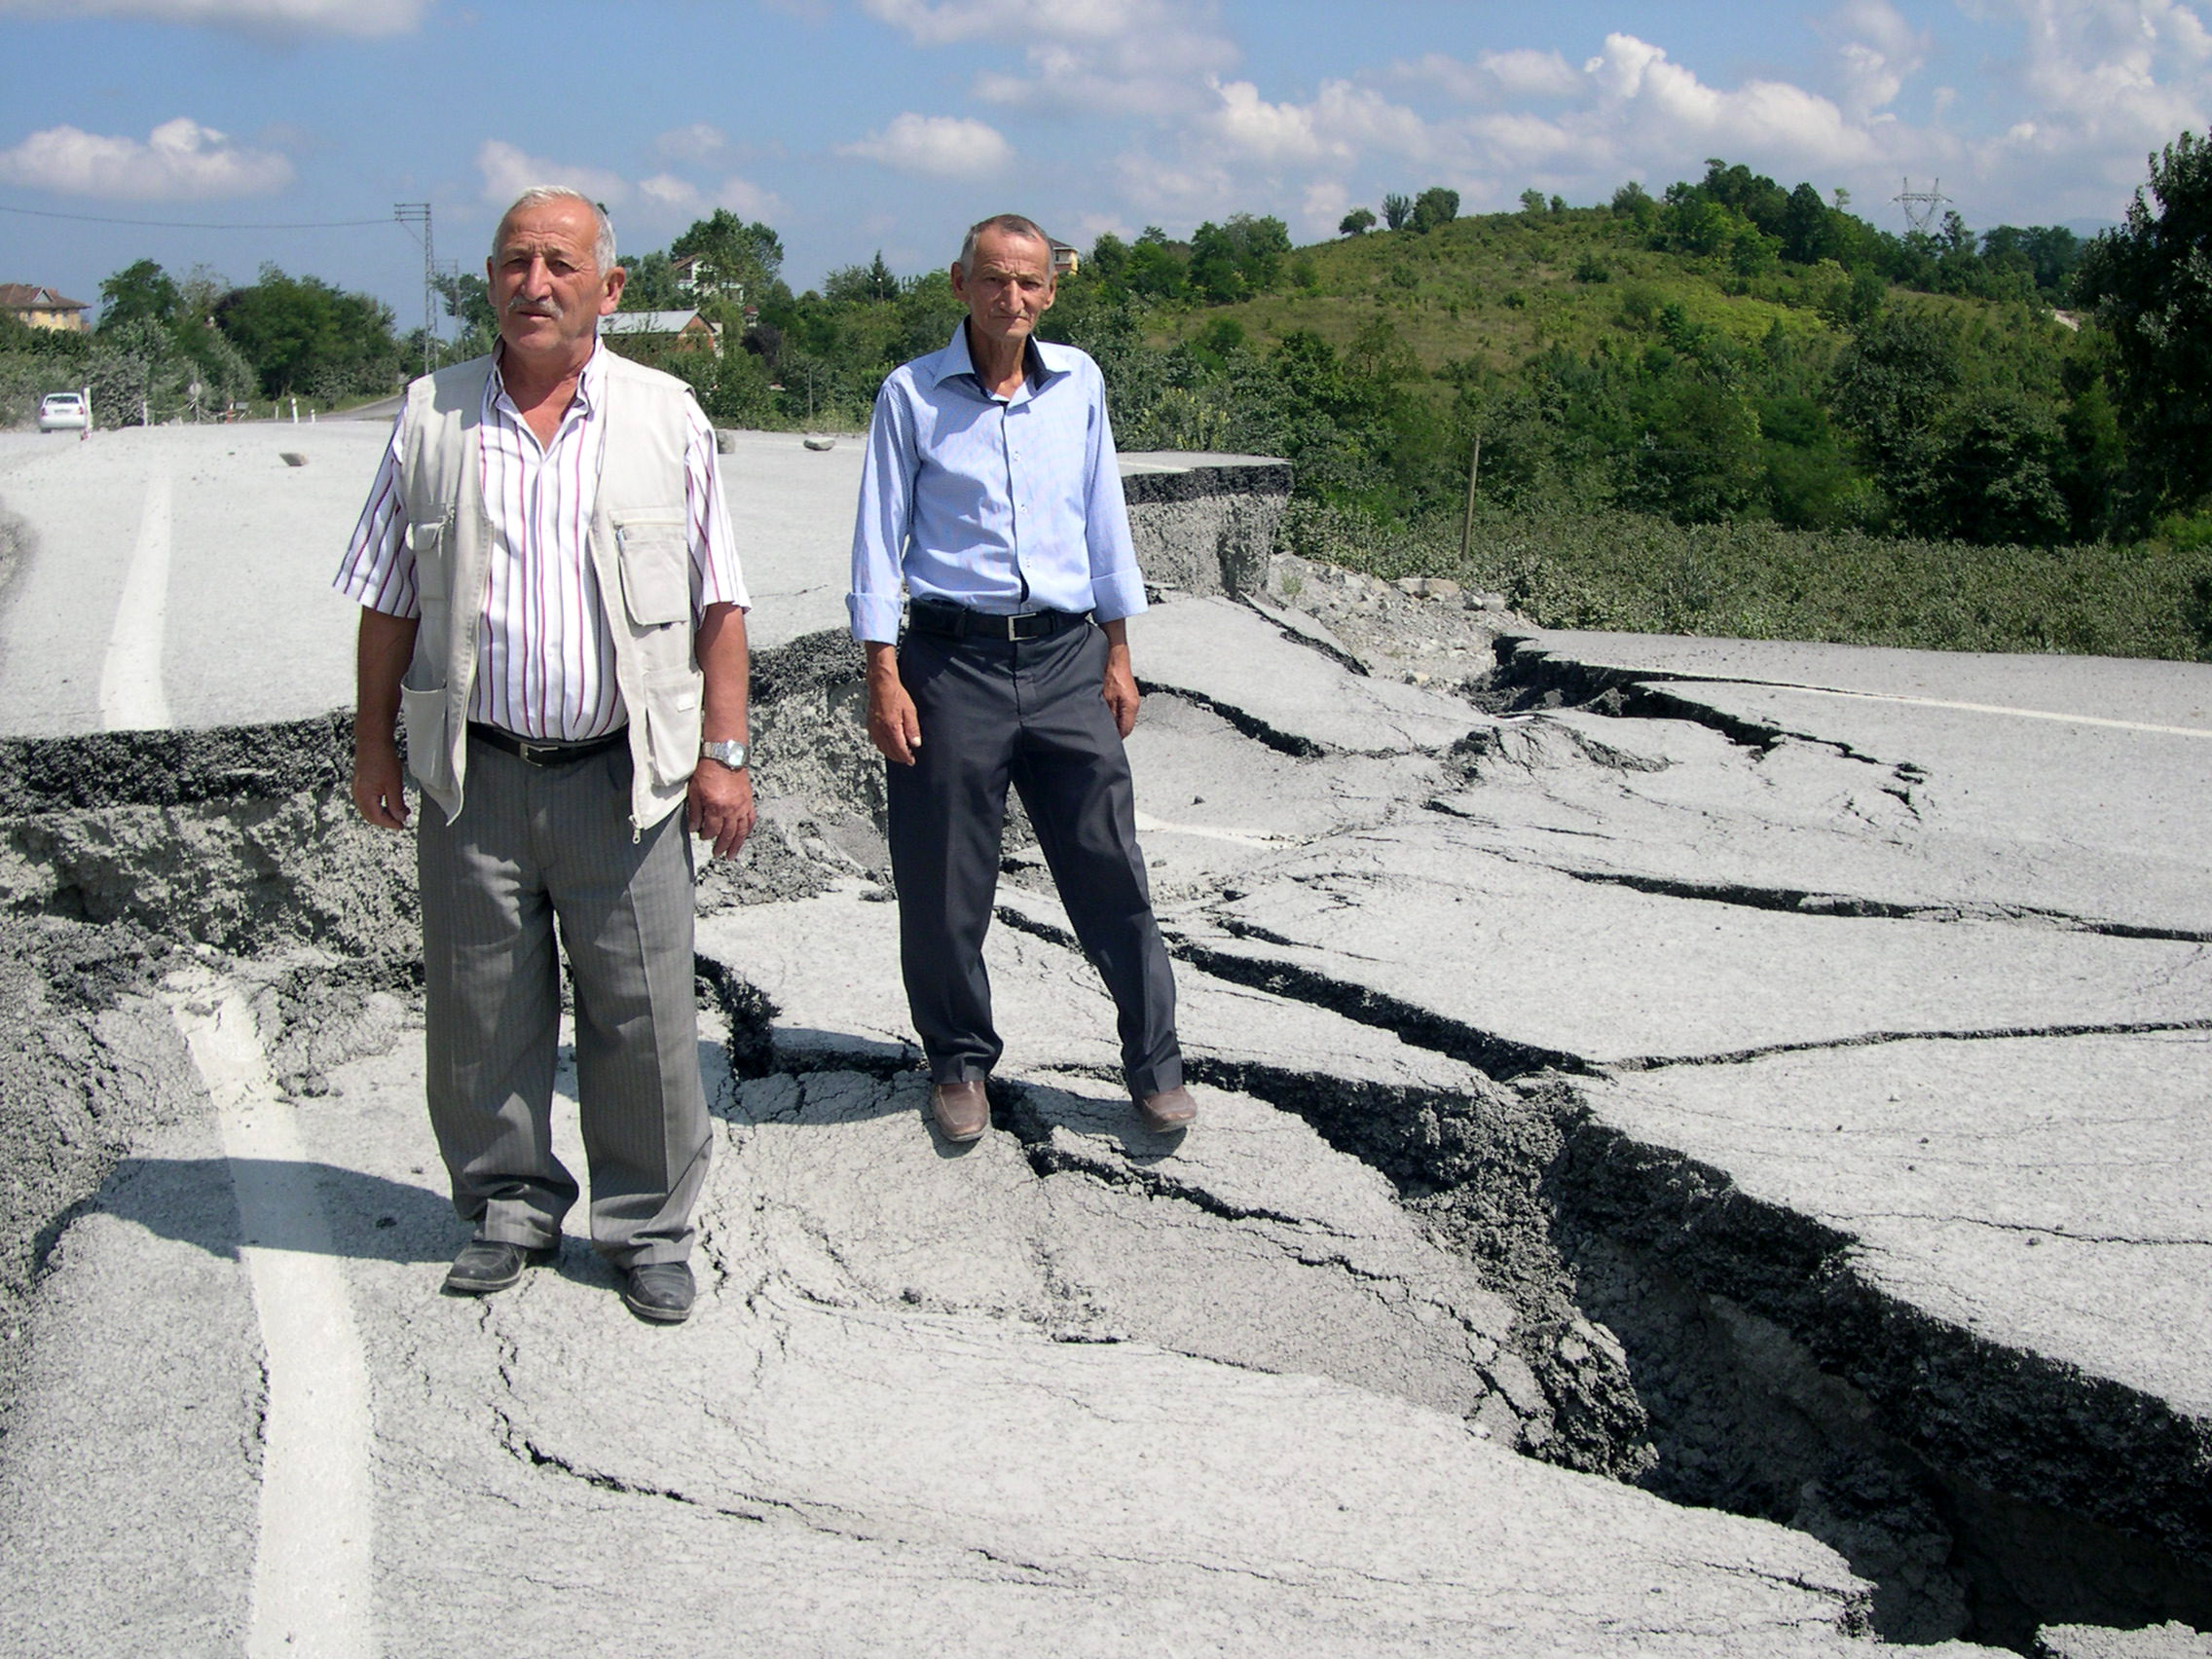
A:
[536,849]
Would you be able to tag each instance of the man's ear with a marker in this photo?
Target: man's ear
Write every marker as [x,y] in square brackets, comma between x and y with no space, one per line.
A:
[610,301]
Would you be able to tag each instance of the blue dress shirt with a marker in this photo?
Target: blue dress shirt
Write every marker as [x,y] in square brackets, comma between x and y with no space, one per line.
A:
[998,503]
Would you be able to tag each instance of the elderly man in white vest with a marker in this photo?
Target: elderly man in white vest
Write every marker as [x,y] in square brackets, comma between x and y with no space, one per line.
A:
[553,610]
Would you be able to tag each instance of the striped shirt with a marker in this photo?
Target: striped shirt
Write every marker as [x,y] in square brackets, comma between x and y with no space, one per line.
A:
[544,654]
[998,503]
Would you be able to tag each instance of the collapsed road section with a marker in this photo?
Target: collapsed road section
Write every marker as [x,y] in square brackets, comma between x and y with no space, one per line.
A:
[1881,1224]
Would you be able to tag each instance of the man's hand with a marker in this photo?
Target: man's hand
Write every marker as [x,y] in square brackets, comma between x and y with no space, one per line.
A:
[894,725]
[380,661]
[719,808]
[376,783]
[1121,687]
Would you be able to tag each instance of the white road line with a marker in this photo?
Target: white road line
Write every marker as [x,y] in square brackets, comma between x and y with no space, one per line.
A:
[312,1569]
[1963,708]
[130,678]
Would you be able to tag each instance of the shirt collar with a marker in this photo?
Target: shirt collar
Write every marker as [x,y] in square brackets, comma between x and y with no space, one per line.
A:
[591,380]
[1043,360]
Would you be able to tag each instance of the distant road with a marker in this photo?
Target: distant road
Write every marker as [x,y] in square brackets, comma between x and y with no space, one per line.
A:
[382,409]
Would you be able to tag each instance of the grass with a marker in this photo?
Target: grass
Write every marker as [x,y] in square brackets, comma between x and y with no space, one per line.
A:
[1499,287]
[1755,580]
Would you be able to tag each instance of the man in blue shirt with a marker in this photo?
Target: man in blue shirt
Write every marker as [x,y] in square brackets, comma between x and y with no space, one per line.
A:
[990,490]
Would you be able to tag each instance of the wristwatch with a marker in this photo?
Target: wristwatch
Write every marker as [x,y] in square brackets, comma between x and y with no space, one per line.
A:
[730,754]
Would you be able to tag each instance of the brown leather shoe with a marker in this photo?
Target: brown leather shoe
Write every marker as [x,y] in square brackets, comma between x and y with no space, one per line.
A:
[963,1110]
[1169,1112]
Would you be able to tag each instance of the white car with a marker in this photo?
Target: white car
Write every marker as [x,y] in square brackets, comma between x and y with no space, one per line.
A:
[62,412]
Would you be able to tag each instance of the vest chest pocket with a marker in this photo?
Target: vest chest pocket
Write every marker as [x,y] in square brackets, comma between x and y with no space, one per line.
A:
[427,546]
[654,554]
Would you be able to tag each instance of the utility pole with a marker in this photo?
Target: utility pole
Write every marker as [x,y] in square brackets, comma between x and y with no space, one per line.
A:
[412,214]
[1467,522]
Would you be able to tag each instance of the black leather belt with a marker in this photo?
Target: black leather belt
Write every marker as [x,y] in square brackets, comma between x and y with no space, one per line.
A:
[535,751]
[958,622]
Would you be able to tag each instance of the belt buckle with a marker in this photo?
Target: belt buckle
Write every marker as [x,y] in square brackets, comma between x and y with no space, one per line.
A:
[537,754]
[1024,625]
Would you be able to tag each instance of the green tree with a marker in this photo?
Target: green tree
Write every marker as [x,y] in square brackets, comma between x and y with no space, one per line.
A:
[1396,210]
[1807,232]
[1356,222]
[1212,274]
[1434,207]
[1156,265]
[468,301]
[1890,388]
[1532,201]
[1109,262]
[1260,246]
[1999,473]
[2045,255]
[302,336]
[737,258]
[1633,201]
[868,283]
[2150,283]
[651,285]
[140,292]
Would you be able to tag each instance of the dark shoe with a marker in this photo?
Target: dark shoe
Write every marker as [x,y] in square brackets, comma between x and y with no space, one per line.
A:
[963,1110]
[1169,1112]
[486,1265]
[659,1291]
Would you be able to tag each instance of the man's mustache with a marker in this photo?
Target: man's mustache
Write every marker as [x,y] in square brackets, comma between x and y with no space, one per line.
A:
[534,308]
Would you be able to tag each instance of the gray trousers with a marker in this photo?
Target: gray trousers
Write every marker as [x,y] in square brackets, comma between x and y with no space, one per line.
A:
[535,847]
[1029,713]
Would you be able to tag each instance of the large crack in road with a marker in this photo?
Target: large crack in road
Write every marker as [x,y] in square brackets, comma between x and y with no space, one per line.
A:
[1668,1327]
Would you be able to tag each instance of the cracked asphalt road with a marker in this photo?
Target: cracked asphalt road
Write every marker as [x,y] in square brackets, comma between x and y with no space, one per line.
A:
[1877,1023]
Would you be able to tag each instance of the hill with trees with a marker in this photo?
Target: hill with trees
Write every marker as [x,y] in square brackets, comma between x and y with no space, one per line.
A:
[1732,407]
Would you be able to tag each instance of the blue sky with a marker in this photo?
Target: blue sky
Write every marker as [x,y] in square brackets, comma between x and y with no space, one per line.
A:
[852,126]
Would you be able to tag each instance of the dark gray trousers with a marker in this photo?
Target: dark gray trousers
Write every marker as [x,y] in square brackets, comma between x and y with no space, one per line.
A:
[535,847]
[1029,713]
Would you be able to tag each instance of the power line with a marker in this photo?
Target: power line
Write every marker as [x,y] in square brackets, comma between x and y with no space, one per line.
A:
[192,224]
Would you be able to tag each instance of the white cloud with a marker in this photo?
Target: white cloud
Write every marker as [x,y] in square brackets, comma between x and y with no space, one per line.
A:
[1178,196]
[1116,57]
[361,18]
[1877,52]
[1342,123]
[1644,98]
[748,200]
[2101,72]
[1498,76]
[180,159]
[948,21]
[666,190]
[1267,132]
[1326,203]
[697,142]
[941,146]
[509,171]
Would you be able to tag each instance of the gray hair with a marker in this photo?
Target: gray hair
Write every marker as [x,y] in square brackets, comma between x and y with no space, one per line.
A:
[544,195]
[1007,225]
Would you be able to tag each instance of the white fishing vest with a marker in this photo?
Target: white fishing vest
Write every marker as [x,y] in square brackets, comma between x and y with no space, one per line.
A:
[641,556]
